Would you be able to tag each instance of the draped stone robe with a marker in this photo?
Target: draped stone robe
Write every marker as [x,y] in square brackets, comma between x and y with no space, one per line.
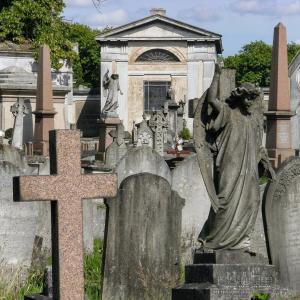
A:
[236,181]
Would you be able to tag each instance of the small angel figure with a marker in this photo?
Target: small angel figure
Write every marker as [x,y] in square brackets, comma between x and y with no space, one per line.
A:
[113,88]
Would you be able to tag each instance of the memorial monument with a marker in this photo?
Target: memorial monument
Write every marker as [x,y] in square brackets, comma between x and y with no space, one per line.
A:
[109,119]
[278,138]
[228,142]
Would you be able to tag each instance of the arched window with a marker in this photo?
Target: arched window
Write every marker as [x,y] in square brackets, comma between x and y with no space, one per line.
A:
[158,55]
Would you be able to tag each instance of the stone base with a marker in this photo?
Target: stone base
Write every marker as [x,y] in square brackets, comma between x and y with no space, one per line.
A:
[228,257]
[278,156]
[215,278]
[207,291]
[106,126]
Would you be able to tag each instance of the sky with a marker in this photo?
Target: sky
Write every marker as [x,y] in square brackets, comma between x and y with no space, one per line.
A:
[238,21]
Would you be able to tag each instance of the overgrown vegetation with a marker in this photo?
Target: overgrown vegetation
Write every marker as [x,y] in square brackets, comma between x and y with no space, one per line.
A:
[16,288]
[185,134]
[260,296]
[92,271]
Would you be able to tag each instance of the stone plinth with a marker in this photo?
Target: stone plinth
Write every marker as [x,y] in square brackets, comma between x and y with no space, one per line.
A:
[278,139]
[228,281]
[105,139]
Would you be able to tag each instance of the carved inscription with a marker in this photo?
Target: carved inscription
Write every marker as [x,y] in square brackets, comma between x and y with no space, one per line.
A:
[283,133]
[282,211]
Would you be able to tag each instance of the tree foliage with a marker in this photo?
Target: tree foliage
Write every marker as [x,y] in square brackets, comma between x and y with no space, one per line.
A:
[86,65]
[37,22]
[253,62]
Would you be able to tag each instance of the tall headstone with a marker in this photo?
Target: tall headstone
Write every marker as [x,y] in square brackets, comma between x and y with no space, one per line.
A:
[19,110]
[44,112]
[188,182]
[282,214]
[143,234]
[65,188]
[278,138]
[159,125]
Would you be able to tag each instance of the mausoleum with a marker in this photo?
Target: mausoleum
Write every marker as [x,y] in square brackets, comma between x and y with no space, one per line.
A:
[152,54]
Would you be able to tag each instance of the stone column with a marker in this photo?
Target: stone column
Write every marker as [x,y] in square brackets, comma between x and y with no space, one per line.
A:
[44,113]
[278,139]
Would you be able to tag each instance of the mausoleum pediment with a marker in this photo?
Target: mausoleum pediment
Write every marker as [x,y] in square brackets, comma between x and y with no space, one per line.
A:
[158,27]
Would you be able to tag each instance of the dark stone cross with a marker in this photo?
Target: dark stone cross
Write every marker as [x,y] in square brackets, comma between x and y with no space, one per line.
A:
[65,188]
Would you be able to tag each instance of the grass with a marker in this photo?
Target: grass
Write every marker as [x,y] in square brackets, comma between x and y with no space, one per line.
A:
[92,271]
[17,288]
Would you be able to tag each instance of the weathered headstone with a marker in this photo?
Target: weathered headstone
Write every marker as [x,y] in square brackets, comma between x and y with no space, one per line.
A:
[143,234]
[18,223]
[19,110]
[188,182]
[144,135]
[282,214]
[65,188]
[159,125]
[118,148]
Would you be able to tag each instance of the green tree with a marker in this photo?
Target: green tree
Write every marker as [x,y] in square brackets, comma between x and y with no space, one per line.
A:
[36,22]
[253,62]
[86,65]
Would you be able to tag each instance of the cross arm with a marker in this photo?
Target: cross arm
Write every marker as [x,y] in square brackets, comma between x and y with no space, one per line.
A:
[98,185]
[34,188]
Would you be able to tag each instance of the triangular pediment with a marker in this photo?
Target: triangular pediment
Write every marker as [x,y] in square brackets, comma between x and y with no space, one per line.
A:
[160,27]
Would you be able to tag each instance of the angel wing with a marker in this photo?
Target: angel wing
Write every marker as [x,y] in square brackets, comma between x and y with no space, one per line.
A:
[203,149]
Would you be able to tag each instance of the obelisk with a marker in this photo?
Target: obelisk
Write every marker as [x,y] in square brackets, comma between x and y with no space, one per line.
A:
[44,112]
[278,138]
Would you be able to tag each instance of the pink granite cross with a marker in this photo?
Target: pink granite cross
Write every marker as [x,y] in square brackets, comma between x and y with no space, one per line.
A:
[65,188]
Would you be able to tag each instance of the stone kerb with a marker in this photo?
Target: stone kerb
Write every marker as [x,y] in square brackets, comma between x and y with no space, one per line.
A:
[282,214]
[142,160]
[188,182]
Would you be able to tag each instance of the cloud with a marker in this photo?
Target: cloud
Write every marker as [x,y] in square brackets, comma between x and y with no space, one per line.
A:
[248,6]
[266,7]
[112,18]
[204,14]
[292,8]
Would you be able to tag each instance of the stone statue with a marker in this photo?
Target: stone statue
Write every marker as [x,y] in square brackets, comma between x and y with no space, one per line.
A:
[228,140]
[112,87]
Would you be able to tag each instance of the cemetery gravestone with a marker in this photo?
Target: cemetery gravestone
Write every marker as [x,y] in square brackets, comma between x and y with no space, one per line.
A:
[117,149]
[143,234]
[65,188]
[282,214]
[18,223]
[188,182]
[19,110]
[159,125]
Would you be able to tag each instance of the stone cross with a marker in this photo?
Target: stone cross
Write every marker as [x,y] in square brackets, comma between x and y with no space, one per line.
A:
[159,125]
[19,110]
[65,188]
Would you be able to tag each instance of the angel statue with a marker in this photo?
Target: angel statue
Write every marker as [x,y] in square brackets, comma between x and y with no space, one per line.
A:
[228,141]
[112,87]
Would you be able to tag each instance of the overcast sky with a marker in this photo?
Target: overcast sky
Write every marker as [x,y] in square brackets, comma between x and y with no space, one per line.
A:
[239,21]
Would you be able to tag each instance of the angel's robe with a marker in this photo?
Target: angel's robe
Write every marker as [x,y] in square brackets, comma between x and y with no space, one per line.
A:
[236,181]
